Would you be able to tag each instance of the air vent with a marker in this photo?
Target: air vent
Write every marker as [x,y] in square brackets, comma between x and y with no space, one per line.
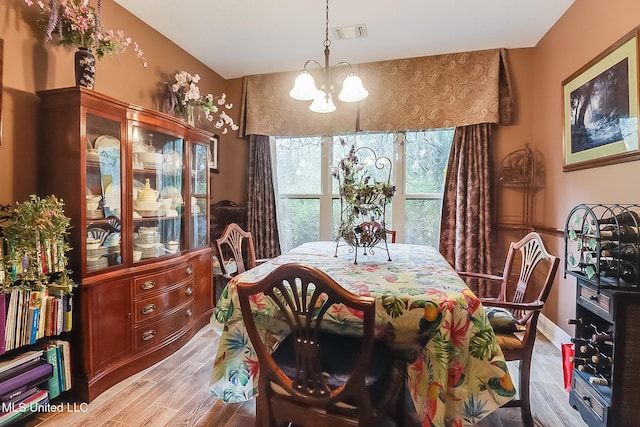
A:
[351,31]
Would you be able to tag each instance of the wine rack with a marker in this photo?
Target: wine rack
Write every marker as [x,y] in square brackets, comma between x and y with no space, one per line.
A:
[601,251]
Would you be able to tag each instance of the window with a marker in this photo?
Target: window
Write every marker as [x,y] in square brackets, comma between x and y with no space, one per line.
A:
[308,201]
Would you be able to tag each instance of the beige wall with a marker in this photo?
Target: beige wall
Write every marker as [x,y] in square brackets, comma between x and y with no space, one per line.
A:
[586,29]
[30,65]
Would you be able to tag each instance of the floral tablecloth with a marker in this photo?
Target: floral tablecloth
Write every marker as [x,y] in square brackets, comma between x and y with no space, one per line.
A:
[456,371]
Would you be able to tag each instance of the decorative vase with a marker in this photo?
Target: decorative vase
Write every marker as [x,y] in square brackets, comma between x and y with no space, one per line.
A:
[85,68]
[190,114]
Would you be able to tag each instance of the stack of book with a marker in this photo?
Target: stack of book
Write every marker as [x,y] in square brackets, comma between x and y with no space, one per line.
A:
[34,314]
[24,379]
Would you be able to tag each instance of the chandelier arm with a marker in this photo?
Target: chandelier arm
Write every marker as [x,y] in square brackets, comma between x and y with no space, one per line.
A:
[336,66]
[311,61]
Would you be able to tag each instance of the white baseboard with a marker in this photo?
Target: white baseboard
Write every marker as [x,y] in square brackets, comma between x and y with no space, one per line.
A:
[553,333]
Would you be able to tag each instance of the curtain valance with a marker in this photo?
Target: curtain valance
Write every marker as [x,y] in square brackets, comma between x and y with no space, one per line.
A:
[438,91]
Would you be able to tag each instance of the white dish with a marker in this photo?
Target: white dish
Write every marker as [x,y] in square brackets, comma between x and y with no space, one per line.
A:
[112,196]
[141,147]
[107,141]
[149,158]
[93,156]
[151,213]
[145,205]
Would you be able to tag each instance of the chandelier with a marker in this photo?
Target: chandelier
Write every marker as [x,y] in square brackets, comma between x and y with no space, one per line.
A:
[305,89]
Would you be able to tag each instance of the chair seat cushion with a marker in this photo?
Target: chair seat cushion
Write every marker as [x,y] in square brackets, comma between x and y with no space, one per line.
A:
[502,321]
[508,342]
[338,357]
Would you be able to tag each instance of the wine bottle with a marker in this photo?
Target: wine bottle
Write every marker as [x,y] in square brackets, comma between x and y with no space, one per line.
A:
[626,251]
[587,349]
[579,360]
[587,368]
[599,381]
[602,338]
[628,217]
[623,232]
[601,359]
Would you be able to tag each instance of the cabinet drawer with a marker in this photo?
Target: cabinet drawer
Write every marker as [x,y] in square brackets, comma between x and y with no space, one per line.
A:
[157,332]
[599,303]
[162,279]
[152,307]
[585,399]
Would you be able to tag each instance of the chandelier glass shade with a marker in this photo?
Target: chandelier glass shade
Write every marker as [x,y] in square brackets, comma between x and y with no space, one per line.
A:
[305,88]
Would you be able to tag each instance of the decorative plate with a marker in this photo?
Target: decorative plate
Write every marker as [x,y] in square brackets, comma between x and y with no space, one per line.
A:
[107,141]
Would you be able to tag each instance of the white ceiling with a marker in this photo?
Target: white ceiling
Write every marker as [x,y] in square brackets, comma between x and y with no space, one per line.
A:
[244,37]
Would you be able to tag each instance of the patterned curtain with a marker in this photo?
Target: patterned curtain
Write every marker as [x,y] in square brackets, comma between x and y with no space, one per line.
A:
[261,203]
[457,89]
[465,227]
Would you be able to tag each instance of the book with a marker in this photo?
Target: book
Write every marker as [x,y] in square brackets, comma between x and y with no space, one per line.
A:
[36,375]
[19,395]
[43,312]
[59,315]
[63,375]
[51,357]
[68,313]
[65,351]
[17,339]
[20,359]
[48,331]
[35,301]
[3,316]
[12,311]
[24,408]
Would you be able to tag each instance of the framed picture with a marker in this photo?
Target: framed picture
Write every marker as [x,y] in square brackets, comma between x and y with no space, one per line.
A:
[600,109]
[215,150]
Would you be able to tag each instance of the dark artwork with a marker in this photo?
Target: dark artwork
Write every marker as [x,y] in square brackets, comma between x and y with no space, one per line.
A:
[596,107]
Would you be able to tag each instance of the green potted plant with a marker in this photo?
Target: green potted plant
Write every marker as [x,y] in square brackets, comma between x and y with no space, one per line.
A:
[35,243]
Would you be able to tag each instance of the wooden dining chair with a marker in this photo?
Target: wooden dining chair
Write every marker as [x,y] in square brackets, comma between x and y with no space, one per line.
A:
[392,234]
[315,377]
[236,246]
[513,314]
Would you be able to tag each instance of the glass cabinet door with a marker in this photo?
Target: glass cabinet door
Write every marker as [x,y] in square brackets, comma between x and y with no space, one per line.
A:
[158,188]
[103,192]
[199,196]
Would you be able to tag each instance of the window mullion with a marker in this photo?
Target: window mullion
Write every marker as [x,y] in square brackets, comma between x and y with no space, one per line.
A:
[398,201]
[326,223]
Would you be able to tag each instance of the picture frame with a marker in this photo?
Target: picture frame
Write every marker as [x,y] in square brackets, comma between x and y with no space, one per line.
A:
[600,108]
[214,145]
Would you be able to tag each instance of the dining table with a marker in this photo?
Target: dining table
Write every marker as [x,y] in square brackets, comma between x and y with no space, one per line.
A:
[456,372]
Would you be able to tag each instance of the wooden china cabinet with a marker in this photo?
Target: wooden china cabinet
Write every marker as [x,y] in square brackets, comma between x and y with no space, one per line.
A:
[135,183]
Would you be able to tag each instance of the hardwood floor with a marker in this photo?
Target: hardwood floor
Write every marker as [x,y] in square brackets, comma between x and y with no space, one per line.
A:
[175,392]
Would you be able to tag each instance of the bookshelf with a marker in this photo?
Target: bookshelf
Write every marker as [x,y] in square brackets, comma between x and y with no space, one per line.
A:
[35,307]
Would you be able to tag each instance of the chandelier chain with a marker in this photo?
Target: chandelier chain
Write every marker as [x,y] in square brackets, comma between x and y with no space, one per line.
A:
[327,42]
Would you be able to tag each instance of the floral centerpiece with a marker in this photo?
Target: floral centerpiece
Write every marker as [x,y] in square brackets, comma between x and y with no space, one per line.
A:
[77,24]
[362,198]
[184,97]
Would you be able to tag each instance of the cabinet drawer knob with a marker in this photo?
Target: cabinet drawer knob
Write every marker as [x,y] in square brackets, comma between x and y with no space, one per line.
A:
[188,313]
[188,271]
[147,335]
[148,309]
[149,284]
[594,297]
[188,291]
